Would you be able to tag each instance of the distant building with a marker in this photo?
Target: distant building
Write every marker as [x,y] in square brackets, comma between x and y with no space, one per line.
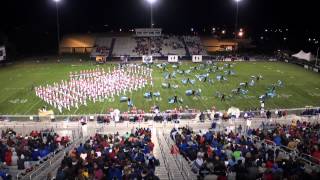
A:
[218,45]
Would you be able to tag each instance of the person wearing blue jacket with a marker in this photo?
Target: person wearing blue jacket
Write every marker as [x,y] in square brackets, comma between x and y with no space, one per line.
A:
[277,140]
[35,155]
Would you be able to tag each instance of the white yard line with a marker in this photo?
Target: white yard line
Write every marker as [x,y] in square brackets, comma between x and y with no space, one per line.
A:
[32,107]
[104,105]
[75,111]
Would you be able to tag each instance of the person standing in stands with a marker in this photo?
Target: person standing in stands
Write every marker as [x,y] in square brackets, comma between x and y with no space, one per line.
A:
[268,114]
[201,117]
[20,162]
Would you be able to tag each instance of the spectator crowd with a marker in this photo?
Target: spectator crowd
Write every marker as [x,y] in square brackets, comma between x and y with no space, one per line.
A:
[23,151]
[111,157]
[298,136]
[228,155]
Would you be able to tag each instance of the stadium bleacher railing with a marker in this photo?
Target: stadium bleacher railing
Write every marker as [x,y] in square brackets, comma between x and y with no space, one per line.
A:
[182,165]
[165,161]
[148,116]
[305,158]
[293,153]
[54,160]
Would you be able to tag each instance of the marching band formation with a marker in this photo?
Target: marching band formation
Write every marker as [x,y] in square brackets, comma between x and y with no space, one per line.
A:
[95,85]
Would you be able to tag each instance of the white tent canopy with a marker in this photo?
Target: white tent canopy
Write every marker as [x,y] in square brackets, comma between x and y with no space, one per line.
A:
[303,55]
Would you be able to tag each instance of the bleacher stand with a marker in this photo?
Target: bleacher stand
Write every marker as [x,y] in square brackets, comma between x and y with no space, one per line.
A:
[173,45]
[215,155]
[302,137]
[112,157]
[102,46]
[194,45]
[142,46]
[124,46]
[139,46]
[23,153]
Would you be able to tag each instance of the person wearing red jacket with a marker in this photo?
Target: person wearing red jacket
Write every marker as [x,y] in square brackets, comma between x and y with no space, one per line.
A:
[8,157]
[316,154]
[175,150]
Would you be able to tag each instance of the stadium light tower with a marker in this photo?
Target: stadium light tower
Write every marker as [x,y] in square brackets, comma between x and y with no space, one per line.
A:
[151,2]
[237,19]
[58,24]
[317,57]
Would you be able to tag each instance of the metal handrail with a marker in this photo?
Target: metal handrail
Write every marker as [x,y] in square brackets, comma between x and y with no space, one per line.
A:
[312,161]
[181,165]
[294,153]
[37,162]
[56,162]
[49,162]
[311,157]
[288,151]
[150,115]
[164,158]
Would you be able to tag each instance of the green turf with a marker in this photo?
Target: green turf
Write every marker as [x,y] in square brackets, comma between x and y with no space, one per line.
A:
[301,87]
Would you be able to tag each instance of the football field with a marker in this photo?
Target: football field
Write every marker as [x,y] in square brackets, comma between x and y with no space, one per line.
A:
[299,87]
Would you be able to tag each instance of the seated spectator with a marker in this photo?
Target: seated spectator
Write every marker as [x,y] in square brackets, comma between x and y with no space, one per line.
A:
[20,162]
[33,147]
[112,157]
[244,157]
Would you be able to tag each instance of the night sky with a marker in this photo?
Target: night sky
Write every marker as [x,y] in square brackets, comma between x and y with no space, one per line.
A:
[37,18]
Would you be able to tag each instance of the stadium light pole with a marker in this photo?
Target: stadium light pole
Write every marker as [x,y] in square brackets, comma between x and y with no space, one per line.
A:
[317,57]
[58,23]
[151,2]
[237,19]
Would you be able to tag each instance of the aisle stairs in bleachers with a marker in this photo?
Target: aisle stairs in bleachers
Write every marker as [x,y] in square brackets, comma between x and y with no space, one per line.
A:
[172,167]
[161,171]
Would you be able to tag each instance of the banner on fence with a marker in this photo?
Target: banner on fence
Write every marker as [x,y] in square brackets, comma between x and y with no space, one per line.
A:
[173,58]
[196,58]
[147,59]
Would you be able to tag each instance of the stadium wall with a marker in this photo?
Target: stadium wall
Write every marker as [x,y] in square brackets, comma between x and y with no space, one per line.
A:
[212,44]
